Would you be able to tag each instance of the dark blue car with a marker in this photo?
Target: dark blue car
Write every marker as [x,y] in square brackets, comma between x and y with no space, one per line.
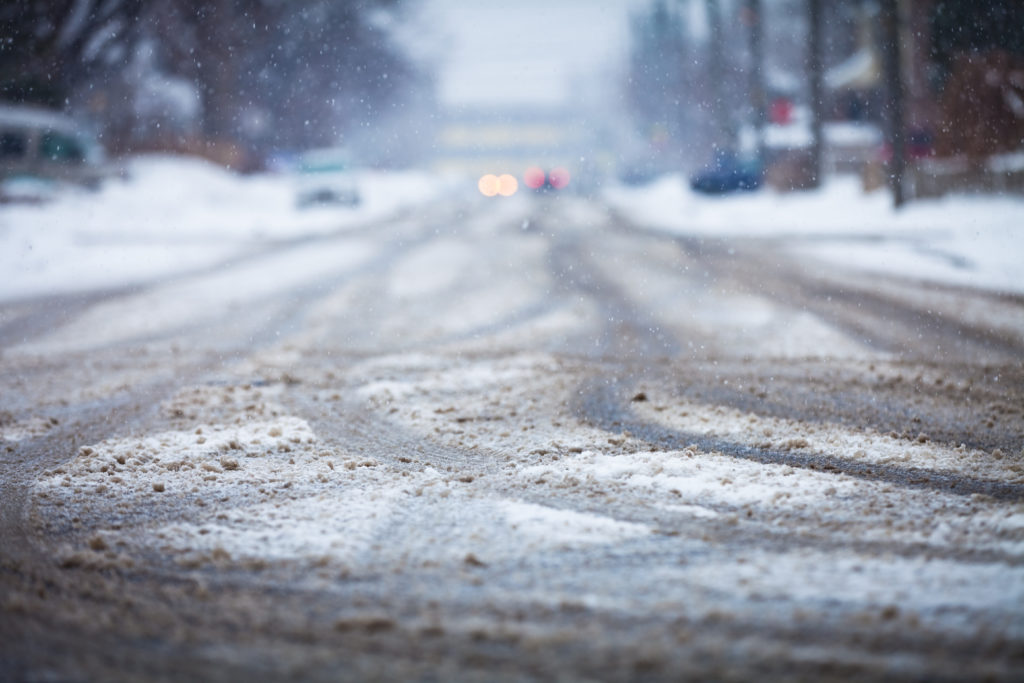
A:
[728,173]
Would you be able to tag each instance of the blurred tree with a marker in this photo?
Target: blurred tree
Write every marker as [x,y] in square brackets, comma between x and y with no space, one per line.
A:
[816,78]
[960,26]
[753,17]
[892,23]
[977,55]
[49,46]
[685,85]
[657,79]
[724,135]
[336,71]
[284,75]
[248,75]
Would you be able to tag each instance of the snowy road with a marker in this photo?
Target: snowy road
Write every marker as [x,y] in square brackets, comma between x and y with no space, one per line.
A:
[513,440]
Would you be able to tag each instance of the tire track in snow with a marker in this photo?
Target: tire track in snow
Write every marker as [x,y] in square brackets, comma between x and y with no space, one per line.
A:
[606,404]
[876,318]
[633,336]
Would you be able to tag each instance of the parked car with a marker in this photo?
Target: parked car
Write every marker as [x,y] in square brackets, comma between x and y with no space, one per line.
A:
[326,177]
[39,147]
[728,173]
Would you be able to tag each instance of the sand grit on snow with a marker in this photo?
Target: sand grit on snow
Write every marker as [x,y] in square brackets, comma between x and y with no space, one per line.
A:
[193,461]
[19,430]
[854,445]
[259,487]
[703,485]
[137,477]
[299,510]
[557,455]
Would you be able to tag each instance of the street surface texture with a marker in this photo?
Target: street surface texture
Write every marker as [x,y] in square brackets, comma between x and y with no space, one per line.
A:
[513,440]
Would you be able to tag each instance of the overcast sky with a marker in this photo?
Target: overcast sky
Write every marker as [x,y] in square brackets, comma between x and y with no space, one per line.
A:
[524,52]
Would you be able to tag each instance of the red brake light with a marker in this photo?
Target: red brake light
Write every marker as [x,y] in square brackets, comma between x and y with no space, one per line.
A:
[559,178]
[534,178]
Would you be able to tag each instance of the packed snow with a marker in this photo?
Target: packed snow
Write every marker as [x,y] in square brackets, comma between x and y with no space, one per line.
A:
[265,491]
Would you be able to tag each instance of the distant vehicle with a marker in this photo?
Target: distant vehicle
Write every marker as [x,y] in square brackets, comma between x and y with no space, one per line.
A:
[39,147]
[536,178]
[326,177]
[728,173]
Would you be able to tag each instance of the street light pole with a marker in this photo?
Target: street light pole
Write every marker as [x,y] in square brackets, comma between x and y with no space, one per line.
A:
[757,97]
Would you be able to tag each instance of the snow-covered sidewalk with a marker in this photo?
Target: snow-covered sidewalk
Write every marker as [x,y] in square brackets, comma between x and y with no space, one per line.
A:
[976,241]
[172,214]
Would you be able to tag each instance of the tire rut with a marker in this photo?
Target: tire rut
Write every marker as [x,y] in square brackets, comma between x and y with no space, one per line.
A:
[604,405]
[635,337]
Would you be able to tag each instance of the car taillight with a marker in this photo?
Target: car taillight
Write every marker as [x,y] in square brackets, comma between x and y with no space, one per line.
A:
[534,177]
[559,178]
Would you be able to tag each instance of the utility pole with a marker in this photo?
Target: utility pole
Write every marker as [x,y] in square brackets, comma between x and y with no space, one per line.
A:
[816,74]
[757,99]
[892,58]
[717,75]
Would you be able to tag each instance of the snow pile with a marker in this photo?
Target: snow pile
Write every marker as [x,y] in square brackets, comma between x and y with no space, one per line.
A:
[171,214]
[255,458]
[970,240]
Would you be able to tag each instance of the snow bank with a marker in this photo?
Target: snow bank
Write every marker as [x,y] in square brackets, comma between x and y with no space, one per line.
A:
[171,214]
[970,240]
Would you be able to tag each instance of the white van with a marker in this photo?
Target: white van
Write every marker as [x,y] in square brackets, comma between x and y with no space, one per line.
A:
[325,176]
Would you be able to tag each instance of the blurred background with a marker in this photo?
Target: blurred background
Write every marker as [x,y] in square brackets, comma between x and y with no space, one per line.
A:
[923,96]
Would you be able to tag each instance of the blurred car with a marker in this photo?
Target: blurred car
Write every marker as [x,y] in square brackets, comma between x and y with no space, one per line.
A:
[728,173]
[40,148]
[325,177]
[540,180]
